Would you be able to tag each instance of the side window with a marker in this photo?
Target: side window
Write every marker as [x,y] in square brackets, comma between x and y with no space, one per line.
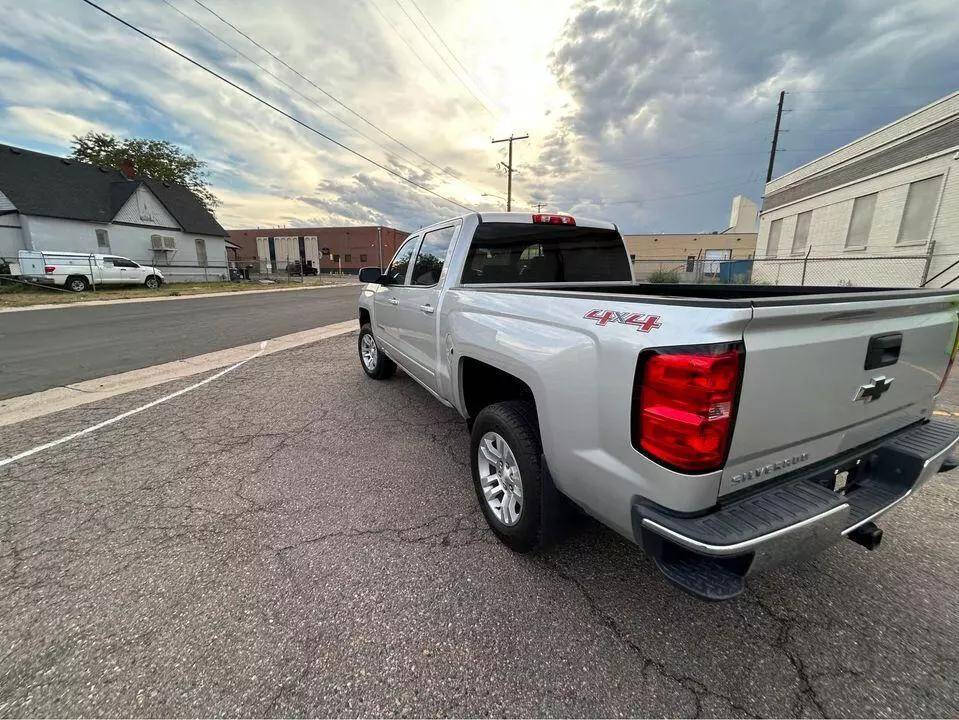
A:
[110,262]
[857,236]
[123,262]
[396,272]
[432,256]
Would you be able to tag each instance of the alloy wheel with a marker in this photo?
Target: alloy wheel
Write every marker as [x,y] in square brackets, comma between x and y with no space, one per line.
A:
[500,478]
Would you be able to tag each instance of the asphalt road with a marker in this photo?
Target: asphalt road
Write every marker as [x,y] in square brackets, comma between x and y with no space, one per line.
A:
[40,349]
[321,553]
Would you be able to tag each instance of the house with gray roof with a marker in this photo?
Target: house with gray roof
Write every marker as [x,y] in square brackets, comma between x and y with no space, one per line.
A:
[57,204]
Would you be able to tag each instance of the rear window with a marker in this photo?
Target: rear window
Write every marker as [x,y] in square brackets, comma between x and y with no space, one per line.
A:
[524,253]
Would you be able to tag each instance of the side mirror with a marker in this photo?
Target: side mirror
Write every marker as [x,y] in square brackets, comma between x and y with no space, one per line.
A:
[370,275]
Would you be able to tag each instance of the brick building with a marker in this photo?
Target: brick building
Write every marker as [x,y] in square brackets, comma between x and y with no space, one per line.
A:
[331,249]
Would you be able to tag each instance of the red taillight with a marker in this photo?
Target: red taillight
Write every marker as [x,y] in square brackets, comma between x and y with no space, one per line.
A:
[554,219]
[952,360]
[49,268]
[683,405]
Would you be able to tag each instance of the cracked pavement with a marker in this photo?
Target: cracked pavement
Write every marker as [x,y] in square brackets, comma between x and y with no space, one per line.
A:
[294,539]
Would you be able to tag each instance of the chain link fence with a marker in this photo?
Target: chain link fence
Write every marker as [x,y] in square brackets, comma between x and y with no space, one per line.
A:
[906,271]
[194,272]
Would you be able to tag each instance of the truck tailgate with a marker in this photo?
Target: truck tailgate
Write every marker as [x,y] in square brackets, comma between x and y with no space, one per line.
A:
[809,391]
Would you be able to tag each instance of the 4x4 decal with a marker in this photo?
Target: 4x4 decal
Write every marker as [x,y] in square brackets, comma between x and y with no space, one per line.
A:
[643,323]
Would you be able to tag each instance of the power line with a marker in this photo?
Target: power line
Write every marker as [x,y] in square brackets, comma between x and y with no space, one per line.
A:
[281,80]
[852,109]
[724,188]
[887,88]
[440,56]
[273,107]
[325,92]
[405,41]
[635,162]
[448,49]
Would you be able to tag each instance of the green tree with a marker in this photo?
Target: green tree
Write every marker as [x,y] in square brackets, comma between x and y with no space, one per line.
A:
[156,159]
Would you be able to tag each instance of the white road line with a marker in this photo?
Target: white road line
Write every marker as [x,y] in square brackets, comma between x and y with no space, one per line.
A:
[28,407]
[128,413]
[163,298]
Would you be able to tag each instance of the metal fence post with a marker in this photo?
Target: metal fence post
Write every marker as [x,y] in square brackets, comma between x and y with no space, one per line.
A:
[928,264]
[805,261]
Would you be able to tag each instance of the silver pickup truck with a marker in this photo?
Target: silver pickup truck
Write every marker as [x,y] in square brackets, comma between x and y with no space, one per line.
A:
[724,428]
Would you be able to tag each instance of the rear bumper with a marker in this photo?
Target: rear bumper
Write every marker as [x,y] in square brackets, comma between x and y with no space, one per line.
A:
[802,513]
[40,279]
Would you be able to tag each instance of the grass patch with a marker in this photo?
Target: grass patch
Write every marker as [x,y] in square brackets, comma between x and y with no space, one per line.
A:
[19,295]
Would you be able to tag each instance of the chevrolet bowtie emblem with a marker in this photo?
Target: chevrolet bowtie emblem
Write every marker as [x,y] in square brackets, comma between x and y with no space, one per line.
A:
[874,389]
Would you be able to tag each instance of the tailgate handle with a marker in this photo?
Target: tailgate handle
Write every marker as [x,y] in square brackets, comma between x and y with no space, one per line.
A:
[883,351]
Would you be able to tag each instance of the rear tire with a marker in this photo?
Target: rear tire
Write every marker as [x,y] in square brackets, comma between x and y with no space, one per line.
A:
[505,454]
[152,282]
[374,362]
[77,283]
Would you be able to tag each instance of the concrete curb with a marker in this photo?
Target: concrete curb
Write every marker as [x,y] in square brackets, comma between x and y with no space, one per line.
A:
[27,407]
[119,301]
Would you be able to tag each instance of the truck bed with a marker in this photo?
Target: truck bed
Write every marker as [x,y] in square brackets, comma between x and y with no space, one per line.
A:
[746,295]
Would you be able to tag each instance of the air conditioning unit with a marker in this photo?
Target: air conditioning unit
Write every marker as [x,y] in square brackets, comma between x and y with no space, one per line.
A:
[169,243]
[156,242]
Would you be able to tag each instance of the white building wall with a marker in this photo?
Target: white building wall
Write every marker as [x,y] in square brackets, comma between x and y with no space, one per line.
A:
[143,208]
[11,239]
[832,212]
[132,242]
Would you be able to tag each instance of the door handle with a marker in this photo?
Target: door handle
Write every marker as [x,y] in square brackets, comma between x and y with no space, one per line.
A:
[427,308]
[393,301]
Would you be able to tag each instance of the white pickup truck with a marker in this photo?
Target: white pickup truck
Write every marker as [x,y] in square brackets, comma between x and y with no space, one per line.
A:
[722,428]
[81,271]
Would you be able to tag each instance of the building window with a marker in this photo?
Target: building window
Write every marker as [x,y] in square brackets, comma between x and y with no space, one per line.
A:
[801,236]
[861,221]
[103,239]
[348,258]
[775,230]
[362,258]
[336,258]
[920,206]
[201,252]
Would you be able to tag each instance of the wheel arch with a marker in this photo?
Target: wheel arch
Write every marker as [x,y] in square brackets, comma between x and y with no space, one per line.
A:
[482,384]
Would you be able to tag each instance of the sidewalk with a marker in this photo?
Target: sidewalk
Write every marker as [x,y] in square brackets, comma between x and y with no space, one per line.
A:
[20,301]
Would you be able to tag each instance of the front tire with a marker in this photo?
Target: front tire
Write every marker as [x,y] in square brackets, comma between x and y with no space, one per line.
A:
[152,282]
[374,362]
[507,473]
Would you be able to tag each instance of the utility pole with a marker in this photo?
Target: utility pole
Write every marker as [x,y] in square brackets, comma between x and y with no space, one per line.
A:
[772,151]
[539,207]
[509,167]
[379,240]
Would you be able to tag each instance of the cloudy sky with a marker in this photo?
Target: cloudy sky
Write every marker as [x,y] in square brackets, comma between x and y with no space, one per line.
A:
[652,114]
